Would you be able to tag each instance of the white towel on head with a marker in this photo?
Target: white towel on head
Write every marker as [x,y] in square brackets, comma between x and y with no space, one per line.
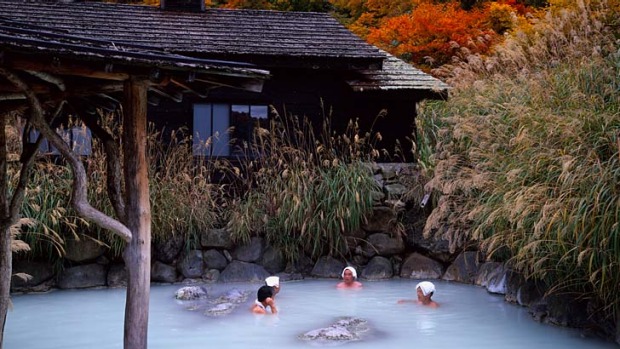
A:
[427,287]
[352,272]
[273,281]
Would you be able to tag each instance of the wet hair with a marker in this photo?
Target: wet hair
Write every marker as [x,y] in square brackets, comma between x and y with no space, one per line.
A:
[264,292]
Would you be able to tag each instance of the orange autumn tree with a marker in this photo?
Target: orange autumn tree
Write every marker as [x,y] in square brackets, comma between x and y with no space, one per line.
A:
[433,33]
[364,15]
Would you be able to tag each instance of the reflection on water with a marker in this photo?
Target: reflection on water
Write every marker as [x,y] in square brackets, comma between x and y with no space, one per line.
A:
[425,324]
[468,317]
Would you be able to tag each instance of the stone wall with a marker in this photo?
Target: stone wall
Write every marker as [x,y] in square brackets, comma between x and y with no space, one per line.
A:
[390,244]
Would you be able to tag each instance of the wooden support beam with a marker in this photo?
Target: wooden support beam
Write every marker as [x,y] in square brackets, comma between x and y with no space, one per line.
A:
[57,67]
[58,82]
[248,84]
[71,91]
[189,89]
[177,98]
[12,96]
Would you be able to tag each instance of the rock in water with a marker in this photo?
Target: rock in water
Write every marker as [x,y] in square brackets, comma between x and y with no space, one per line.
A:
[189,293]
[343,330]
[220,309]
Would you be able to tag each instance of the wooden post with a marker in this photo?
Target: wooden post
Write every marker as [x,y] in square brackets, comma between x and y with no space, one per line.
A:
[137,253]
[618,324]
[5,234]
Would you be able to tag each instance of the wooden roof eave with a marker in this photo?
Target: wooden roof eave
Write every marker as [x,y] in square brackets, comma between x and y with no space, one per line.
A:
[106,74]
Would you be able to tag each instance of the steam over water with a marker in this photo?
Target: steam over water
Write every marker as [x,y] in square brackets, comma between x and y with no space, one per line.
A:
[468,317]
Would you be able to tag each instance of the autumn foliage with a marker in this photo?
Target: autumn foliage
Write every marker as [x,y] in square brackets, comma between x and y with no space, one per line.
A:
[427,33]
[432,33]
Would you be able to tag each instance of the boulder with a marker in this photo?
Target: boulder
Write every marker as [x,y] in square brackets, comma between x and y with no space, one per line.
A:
[567,310]
[250,252]
[378,268]
[492,276]
[437,248]
[117,276]
[168,249]
[216,238]
[273,260]
[328,267]
[211,275]
[344,330]
[84,249]
[464,268]
[190,293]
[191,264]
[214,259]
[83,276]
[234,296]
[383,245]
[37,273]
[417,266]
[163,272]
[238,271]
[381,220]
[302,264]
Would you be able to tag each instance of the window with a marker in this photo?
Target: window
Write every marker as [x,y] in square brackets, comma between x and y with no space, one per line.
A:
[222,129]
[211,123]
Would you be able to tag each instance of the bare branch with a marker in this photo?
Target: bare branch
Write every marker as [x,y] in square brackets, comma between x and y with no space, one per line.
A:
[80,199]
[114,166]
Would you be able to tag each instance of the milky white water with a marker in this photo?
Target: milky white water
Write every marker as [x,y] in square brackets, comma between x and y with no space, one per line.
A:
[468,317]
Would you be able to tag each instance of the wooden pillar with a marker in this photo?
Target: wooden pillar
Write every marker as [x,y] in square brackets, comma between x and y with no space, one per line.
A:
[5,234]
[618,324]
[137,254]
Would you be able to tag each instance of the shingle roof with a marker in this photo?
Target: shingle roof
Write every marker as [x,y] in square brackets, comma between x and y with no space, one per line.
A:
[278,37]
[25,37]
[215,31]
[397,75]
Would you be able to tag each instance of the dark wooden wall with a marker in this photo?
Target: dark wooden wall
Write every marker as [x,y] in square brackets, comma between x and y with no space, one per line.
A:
[312,94]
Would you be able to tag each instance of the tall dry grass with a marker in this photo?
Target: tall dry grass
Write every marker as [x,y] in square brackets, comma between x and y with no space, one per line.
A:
[305,190]
[298,189]
[529,165]
[183,198]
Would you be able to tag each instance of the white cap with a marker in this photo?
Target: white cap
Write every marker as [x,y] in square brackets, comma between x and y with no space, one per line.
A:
[273,281]
[352,272]
[427,287]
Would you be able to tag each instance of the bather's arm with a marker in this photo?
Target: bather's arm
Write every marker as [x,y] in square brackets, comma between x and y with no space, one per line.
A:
[272,304]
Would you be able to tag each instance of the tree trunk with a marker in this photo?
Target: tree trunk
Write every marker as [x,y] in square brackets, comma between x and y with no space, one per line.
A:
[137,254]
[5,276]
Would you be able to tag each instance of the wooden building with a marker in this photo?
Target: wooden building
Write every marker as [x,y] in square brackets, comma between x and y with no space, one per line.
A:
[316,66]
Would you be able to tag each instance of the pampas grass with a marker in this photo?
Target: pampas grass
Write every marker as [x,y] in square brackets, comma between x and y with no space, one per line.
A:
[530,163]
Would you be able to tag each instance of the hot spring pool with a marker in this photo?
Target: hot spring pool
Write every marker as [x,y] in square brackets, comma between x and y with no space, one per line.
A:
[468,317]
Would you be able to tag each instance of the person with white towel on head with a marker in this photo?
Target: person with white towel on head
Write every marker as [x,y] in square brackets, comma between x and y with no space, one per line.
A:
[273,282]
[425,291]
[349,276]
